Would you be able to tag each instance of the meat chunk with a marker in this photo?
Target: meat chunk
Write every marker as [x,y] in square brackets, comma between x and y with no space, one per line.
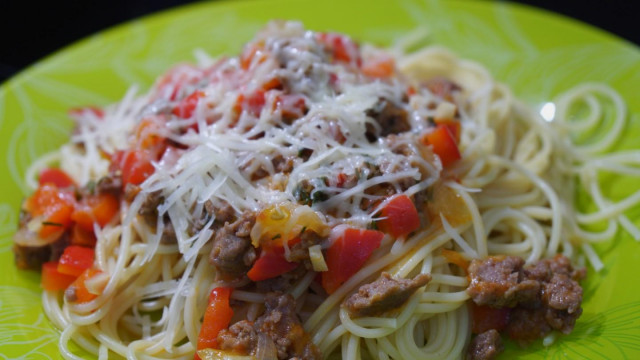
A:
[562,293]
[30,251]
[485,346]
[232,253]
[281,326]
[384,294]
[391,118]
[496,281]
[241,337]
[545,295]
[149,213]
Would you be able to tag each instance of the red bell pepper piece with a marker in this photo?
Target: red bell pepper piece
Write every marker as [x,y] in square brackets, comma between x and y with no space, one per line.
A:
[187,106]
[135,165]
[380,67]
[400,217]
[55,176]
[347,255]
[75,260]
[217,317]
[485,318]
[54,206]
[52,279]
[100,209]
[82,237]
[444,144]
[342,47]
[81,292]
[270,264]
[453,126]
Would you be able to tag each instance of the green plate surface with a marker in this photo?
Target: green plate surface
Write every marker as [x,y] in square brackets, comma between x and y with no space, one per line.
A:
[538,54]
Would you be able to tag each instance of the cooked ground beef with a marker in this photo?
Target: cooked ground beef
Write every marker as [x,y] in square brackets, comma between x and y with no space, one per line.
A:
[545,295]
[485,346]
[496,281]
[384,294]
[31,255]
[232,253]
[279,323]
[241,337]
[300,250]
[391,118]
[149,213]
[110,184]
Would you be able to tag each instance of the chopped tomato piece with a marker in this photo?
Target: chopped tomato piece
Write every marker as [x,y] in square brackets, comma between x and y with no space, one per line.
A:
[54,206]
[380,67]
[75,260]
[400,217]
[52,279]
[347,255]
[454,257]
[217,317]
[270,264]
[82,294]
[484,318]
[444,144]
[55,176]
[100,209]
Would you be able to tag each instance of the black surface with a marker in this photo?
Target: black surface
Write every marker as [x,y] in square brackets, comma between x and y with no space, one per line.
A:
[31,30]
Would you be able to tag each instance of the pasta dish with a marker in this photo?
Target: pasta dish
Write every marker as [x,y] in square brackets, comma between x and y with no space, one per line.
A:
[318,198]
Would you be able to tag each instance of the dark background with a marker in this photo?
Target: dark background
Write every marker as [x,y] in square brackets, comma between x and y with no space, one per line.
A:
[31,30]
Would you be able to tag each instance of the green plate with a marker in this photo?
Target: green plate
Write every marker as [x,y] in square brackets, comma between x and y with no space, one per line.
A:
[537,53]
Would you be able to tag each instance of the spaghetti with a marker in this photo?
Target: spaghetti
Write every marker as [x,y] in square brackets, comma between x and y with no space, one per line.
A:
[299,146]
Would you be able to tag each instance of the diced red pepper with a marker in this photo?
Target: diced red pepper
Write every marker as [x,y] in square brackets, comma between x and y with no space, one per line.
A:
[253,103]
[52,279]
[54,205]
[453,126]
[217,317]
[444,144]
[82,237]
[55,176]
[347,255]
[270,264]
[250,52]
[82,294]
[342,47]
[75,260]
[380,67]
[484,318]
[400,217]
[187,106]
[100,209]
[291,106]
[135,165]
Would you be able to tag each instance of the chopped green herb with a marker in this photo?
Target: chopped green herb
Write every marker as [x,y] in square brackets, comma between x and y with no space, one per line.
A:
[50,223]
[319,196]
[277,236]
